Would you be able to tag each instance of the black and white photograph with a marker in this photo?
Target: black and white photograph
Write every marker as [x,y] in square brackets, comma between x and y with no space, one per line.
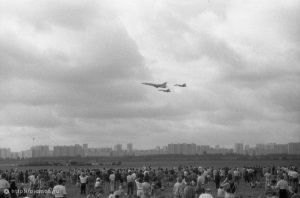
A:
[149,98]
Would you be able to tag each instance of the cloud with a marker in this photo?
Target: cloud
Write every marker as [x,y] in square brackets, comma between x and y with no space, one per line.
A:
[75,69]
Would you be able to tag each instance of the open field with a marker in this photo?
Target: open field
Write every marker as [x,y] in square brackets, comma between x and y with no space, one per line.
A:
[244,189]
[165,164]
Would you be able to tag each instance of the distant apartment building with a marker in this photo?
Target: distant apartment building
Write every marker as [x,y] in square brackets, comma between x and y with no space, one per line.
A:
[185,149]
[129,148]
[201,149]
[118,147]
[294,148]
[14,155]
[282,149]
[5,153]
[68,151]
[40,151]
[26,154]
[97,152]
[146,152]
[85,146]
[238,148]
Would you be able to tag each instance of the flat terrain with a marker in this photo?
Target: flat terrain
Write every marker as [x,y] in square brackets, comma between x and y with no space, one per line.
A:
[244,189]
[165,164]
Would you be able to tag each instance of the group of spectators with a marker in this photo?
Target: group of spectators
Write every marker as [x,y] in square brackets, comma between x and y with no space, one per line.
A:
[186,181]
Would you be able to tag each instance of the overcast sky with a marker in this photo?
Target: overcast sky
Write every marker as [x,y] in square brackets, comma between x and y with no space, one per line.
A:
[71,72]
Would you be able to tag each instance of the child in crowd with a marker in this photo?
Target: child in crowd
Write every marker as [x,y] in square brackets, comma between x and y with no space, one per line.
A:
[252,184]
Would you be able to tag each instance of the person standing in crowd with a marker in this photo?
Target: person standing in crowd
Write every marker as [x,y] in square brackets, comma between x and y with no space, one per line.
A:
[31,179]
[106,181]
[98,186]
[178,188]
[217,179]
[146,187]
[295,180]
[283,187]
[83,181]
[139,186]
[229,186]
[130,183]
[188,191]
[59,191]
[117,179]
[112,179]
[91,182]
[13,190]
[237,176]
[199,189]
[4,185]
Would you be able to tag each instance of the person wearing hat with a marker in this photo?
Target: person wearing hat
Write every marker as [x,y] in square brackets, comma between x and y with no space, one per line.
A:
[229,186]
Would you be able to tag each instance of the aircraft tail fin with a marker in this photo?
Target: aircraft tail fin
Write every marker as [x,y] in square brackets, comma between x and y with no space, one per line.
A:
[164,85]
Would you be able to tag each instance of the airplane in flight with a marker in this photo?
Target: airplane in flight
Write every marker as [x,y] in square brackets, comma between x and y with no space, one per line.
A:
[183,85]
[163,85]
[165,90]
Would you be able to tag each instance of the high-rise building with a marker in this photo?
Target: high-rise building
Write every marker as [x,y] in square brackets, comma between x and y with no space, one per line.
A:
[238,148]
[85,146]
[171,149]
[118,147]
[78,150]
[247,147]
[5,153]
[40,151]
[129,148]
[282,148]
[294,148]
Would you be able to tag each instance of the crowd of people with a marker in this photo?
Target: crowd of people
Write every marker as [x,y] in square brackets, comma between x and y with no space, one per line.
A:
[185,181]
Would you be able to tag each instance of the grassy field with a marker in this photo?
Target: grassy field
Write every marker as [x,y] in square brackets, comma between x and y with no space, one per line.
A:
[244,189]
[165,164]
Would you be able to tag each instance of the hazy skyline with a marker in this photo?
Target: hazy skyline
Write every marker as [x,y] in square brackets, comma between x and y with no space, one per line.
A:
[71,72]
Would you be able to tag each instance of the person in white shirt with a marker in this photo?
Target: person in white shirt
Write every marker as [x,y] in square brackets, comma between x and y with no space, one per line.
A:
[295,176]
[83,180]
[140,189]
[201,179]
[112,178]
[98,185]
[130,183]
[31,181]
[283,187]
[59,191]
[237,177]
